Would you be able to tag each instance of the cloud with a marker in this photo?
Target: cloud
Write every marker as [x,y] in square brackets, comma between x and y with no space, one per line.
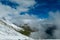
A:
[23,6]
[48,28]
[33,21]
[25,3]
[55,18]
[5,10]
[13,15]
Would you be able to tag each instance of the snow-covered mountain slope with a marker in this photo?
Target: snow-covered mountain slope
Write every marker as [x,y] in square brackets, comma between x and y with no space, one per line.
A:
[8,31]
[12,25]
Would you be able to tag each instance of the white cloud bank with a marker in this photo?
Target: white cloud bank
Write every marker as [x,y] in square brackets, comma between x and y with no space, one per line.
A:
[32,20]
[55,18]
[52,24]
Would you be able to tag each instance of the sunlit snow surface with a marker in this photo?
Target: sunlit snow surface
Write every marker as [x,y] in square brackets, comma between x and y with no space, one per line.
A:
[7,31]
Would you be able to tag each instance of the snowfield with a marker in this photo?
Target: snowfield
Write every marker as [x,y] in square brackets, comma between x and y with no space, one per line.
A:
[8,31]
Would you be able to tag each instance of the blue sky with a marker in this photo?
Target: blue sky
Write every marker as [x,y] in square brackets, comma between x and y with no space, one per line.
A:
[41,8]
[11,4]
[44,6]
